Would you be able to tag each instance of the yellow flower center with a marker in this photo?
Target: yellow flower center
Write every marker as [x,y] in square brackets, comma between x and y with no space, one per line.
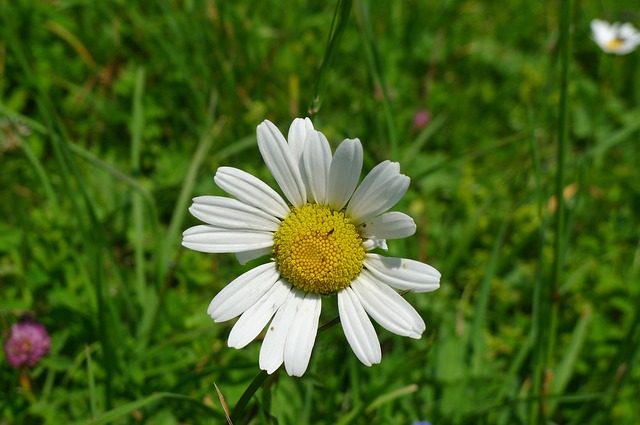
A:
[318,250]
[615,44]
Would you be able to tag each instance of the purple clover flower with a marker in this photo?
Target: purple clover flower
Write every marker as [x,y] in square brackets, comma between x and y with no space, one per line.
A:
[28,342]
[421,119]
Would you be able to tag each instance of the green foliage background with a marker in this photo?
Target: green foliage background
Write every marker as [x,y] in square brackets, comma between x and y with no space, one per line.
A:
[114,114]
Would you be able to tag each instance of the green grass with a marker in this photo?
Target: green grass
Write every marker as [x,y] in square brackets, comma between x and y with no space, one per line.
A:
[113,115]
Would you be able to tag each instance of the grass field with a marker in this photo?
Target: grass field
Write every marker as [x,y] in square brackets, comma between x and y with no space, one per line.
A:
[525,187]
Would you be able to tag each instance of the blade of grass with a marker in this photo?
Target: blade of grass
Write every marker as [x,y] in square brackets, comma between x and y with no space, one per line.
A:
[136,126]
[240,406]
[539,318]
[561,239]
[338,25]
[480,312]
[120,412]
[116,174]
[307,407]
[91,383]
[410,153]
[350,417]
[564,399]
[567,364]
[42,175]
[625,134]
[509,385]
[377,74]
[549,306]
[390,396]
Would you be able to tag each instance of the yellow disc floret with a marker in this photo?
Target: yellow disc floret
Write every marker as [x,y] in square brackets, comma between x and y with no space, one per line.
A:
[614,44]
[318,250]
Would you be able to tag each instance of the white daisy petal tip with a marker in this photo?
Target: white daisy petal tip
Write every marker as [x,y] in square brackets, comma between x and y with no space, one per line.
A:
[403,273]
[302,335]
[316,164]
[254,319]
[251,190]
[387,307]
[391,225]
[243,292]
[344,173]
[380,190]
[358,329]
[282,163]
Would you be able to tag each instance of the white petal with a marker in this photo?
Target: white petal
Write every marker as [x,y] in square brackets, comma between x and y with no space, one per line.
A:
[296,140]
[205,238]
[391,225]
[245,256]
[344,173]
[602,31]
[297,136]
[251,190]
[243,292]
[381,189]
[232,214]
[387,307]
[272,350]
[280,161]
[302,335]
[253,321]
[402,273]
[371,244]
[358,328]
[317,160]
[627,31]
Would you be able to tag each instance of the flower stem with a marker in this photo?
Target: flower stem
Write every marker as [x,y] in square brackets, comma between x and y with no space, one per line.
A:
[257,382]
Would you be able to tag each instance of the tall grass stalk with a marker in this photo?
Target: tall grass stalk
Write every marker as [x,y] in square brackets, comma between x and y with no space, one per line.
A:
[560,237]
[136,126]
[548,307]
[375,67]
[338,25]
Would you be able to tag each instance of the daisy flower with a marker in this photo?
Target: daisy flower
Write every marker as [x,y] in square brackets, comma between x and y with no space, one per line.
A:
[320,241]
[616,38]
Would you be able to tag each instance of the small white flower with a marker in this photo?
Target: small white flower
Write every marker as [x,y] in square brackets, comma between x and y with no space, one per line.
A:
[319,244]
[616,38]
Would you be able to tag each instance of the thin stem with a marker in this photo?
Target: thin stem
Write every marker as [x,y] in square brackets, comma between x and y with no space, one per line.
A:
[257,382]
[375,66]
[338,25]
[137,124]
[549,298]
